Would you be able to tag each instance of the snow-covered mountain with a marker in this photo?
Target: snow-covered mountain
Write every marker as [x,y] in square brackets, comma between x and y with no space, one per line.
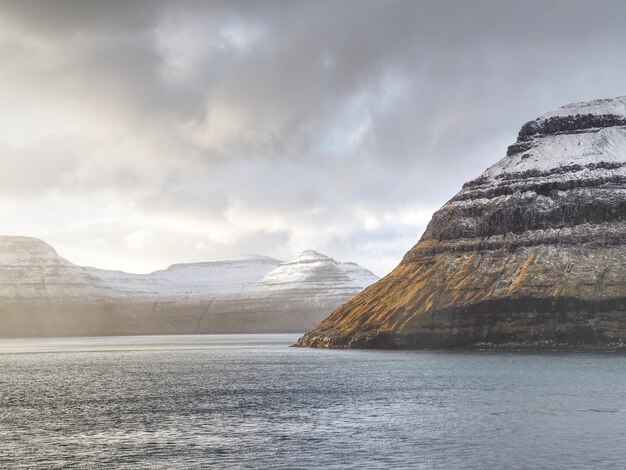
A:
[532,253]
[43,294]
[314,272]
[30,267]
[189,280]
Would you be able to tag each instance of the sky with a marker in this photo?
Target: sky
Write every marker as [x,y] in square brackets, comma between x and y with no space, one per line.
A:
[138,134]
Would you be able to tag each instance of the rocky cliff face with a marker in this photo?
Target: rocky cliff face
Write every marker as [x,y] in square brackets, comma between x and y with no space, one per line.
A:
[530,254]
[42,294]
[29,267]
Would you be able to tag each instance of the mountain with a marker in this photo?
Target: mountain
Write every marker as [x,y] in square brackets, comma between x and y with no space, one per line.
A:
[316,277]
[530,254]
[188,281]
[29,267]
[40,291]
[42,294]
[307,289]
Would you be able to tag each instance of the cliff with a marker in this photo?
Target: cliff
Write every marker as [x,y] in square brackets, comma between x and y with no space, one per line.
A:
[530,254]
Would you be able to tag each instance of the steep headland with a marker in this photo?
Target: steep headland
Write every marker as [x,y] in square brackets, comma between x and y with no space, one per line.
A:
[531,254]
[42,294]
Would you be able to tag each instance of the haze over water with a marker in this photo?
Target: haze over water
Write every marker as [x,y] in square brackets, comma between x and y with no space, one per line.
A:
[251,401]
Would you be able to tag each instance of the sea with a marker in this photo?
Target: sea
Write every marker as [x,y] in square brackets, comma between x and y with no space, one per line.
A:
[252,401]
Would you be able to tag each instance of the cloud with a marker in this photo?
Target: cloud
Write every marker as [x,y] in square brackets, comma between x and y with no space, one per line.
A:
[138,132]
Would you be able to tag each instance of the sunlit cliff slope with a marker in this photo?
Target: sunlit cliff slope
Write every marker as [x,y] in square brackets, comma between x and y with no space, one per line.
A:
[530,254]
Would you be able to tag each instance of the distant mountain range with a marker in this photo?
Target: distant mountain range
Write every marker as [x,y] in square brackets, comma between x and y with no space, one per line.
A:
[43,294]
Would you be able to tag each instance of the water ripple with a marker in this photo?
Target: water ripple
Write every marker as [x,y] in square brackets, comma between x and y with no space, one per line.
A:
[249,401]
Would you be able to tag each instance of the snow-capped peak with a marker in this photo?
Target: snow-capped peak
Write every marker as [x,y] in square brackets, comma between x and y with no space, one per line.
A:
[612,106]
[312,270]
[13,248]
[310,256]
[585,138]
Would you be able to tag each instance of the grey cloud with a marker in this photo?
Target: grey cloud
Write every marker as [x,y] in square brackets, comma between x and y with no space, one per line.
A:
[24,174]
[301,111]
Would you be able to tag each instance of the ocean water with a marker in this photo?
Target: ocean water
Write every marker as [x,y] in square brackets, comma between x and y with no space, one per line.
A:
[250,401]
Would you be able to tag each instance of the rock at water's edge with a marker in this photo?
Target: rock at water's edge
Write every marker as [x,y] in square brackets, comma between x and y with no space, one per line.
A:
[531,254]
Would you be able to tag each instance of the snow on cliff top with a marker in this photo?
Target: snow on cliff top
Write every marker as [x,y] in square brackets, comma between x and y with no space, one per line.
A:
[313,270]
[549,152]
[29,266]
[24,245]
[191,279]
[17,251]
[239,260]
[615,106]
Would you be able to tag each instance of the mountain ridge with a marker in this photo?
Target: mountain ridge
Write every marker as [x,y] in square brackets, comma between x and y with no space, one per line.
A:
[43,294]
[532,253]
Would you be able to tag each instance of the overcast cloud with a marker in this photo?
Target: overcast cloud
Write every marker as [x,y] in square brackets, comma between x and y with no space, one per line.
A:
[139,134]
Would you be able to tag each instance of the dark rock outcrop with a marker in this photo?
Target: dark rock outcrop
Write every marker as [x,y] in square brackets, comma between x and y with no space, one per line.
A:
[530,254]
